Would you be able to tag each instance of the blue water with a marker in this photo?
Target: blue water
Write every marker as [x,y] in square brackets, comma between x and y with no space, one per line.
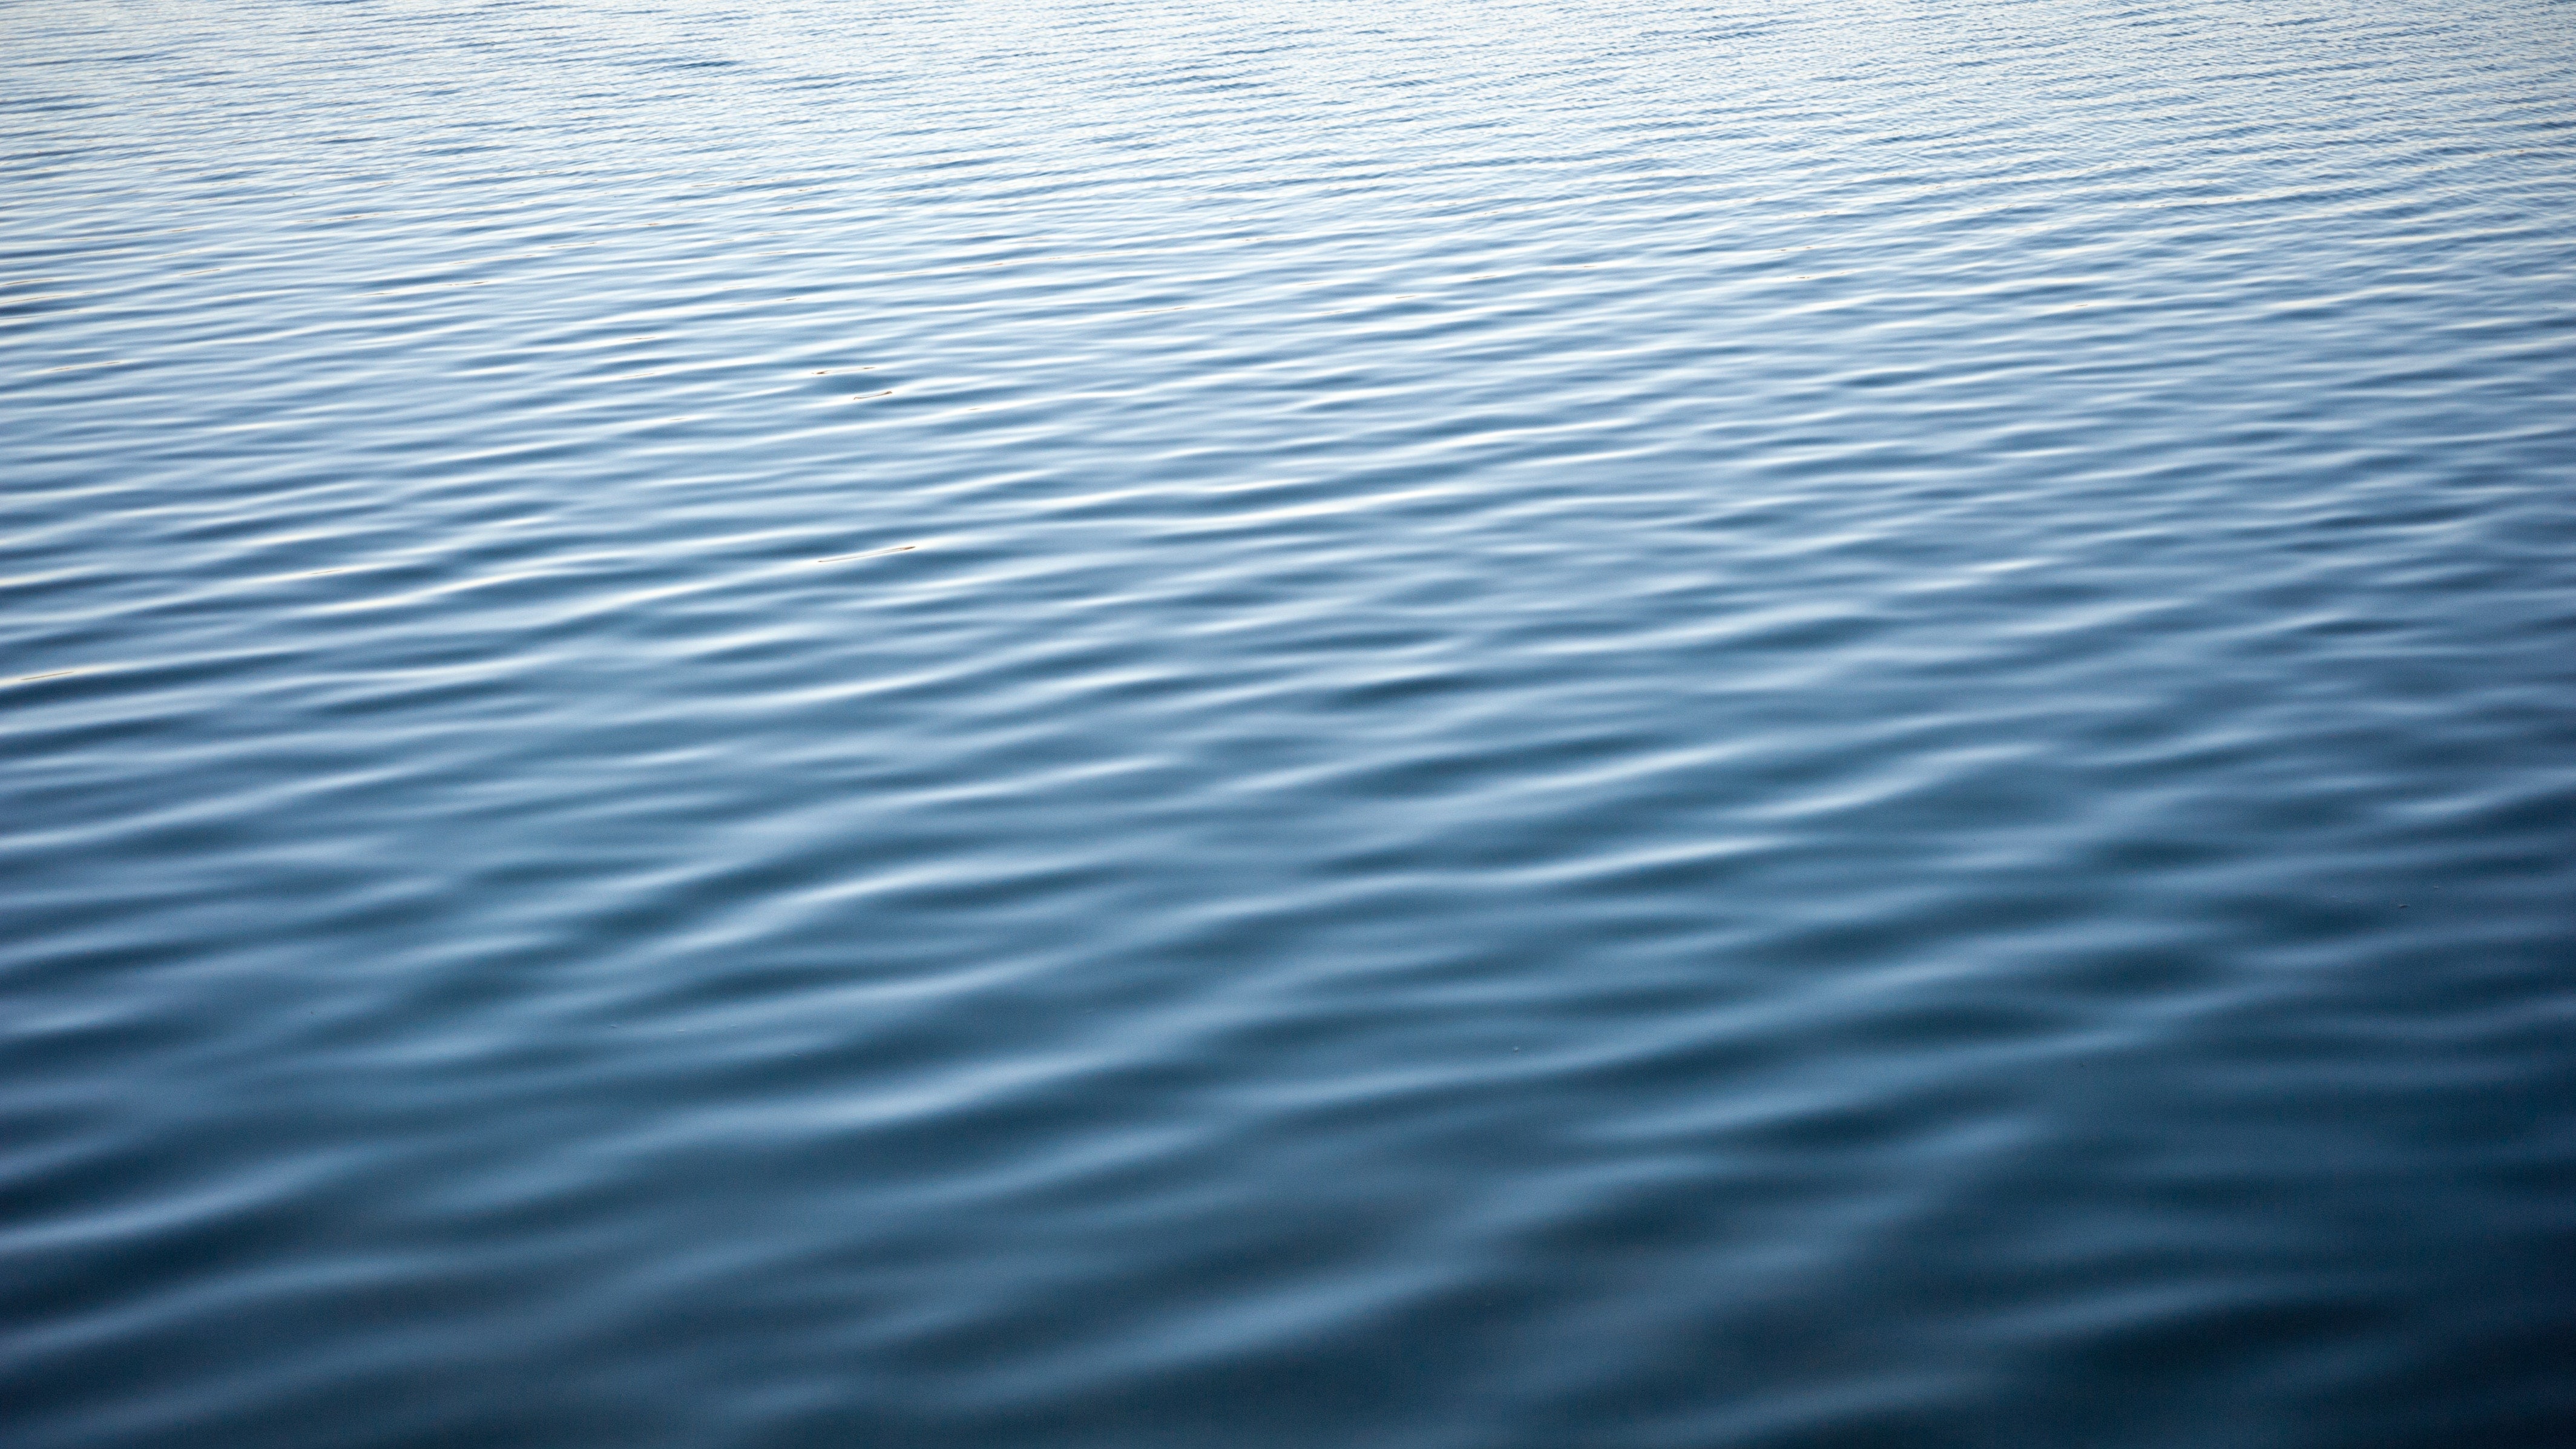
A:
[1136,725]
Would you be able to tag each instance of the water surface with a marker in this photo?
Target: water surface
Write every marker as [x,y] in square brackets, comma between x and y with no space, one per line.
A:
[1201,726]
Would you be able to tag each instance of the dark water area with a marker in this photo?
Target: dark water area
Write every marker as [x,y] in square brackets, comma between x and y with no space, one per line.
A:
[1139,725]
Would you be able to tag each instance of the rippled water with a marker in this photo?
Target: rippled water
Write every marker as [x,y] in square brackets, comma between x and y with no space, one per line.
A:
[1132,724]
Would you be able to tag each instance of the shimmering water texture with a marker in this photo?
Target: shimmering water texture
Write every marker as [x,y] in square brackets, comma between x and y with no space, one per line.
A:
[1154,725]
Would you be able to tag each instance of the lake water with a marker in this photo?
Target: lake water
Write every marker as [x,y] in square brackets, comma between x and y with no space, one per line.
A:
[1137,725]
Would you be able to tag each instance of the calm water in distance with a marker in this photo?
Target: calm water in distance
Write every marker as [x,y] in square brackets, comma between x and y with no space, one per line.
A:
[743,724]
